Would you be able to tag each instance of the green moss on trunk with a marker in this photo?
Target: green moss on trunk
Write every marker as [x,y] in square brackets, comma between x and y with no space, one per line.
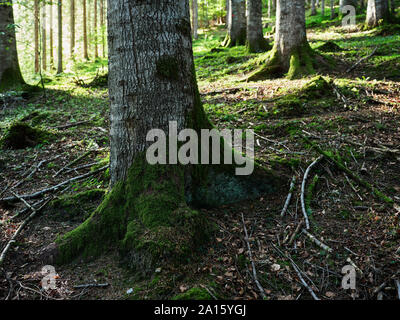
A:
[301,61]
[11,79]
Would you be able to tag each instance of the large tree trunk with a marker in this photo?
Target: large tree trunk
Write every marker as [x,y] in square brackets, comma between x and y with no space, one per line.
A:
[10,74]
[72,25]
[151,83]
[255,38]
[36,31]
[195,19]
[377,12]
[60,38]
[236,34]
[291,53]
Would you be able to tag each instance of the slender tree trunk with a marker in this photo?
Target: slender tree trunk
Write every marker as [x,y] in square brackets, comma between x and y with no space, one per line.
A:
[10,74]
[195,19]
[44,38]
[291,53]
[72,25]
[236,34]
[323,8]
[89,25]
[269,8]
[51,48]
[36,31]
[377,12]
[332,5]
[313,8]
[102,26]
[85,37]
[96,47]
[60,38]
[255,38]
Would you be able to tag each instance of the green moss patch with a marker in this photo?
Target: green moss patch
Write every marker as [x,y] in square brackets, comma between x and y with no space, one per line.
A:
[194,294]
[75,207]
[329,46]
[21,135]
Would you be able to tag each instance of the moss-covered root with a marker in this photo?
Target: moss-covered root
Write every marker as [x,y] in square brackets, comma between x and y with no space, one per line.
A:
[240,40]
[11,79]
[299,64]
[145,218]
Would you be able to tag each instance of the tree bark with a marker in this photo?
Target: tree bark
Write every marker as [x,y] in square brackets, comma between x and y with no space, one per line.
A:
[255,38]
[10,74]
[72,25]
[195,19]
[291,53]
[51,48]
[323,8]
[313,8]
[152,81]
[236,34]
[36,31]
[44,38]
[102,28]
[377,12]
[96,47]
[85,36]
[60,39]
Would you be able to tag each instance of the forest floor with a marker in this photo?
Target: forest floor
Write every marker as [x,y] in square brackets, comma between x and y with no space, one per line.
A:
[353,116]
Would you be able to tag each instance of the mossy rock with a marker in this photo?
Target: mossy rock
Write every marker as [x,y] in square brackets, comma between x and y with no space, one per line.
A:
[75,207]
[195,293]
[36,118]
[329,46]
[21,135]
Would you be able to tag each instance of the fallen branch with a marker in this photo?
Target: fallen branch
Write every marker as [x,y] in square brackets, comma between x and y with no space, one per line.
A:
[304,282]
[53,188]
[289,197]
[361,60]
[24,223]
[73,162]
[70,125]
[352,175]
[303,190]
[259,286]
[295,232]
[91,285]
[317,242]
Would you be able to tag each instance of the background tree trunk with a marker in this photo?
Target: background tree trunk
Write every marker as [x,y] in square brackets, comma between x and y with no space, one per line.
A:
[102,28]
[377,10]
[60,38]
[323,8]
[291,52]
[96,47]
[72,25]
[36,31]
[332,5]
[10,74]
[195,19]
[255,38]
[44,38]
[313,8]
[51,48]
[236,34]
[85,37]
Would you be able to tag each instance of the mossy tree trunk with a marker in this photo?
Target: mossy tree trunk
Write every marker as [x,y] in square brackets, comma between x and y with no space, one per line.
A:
[255,39]
[236,34]
[10,73]
[291,53]
[377,12]
[151,82]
